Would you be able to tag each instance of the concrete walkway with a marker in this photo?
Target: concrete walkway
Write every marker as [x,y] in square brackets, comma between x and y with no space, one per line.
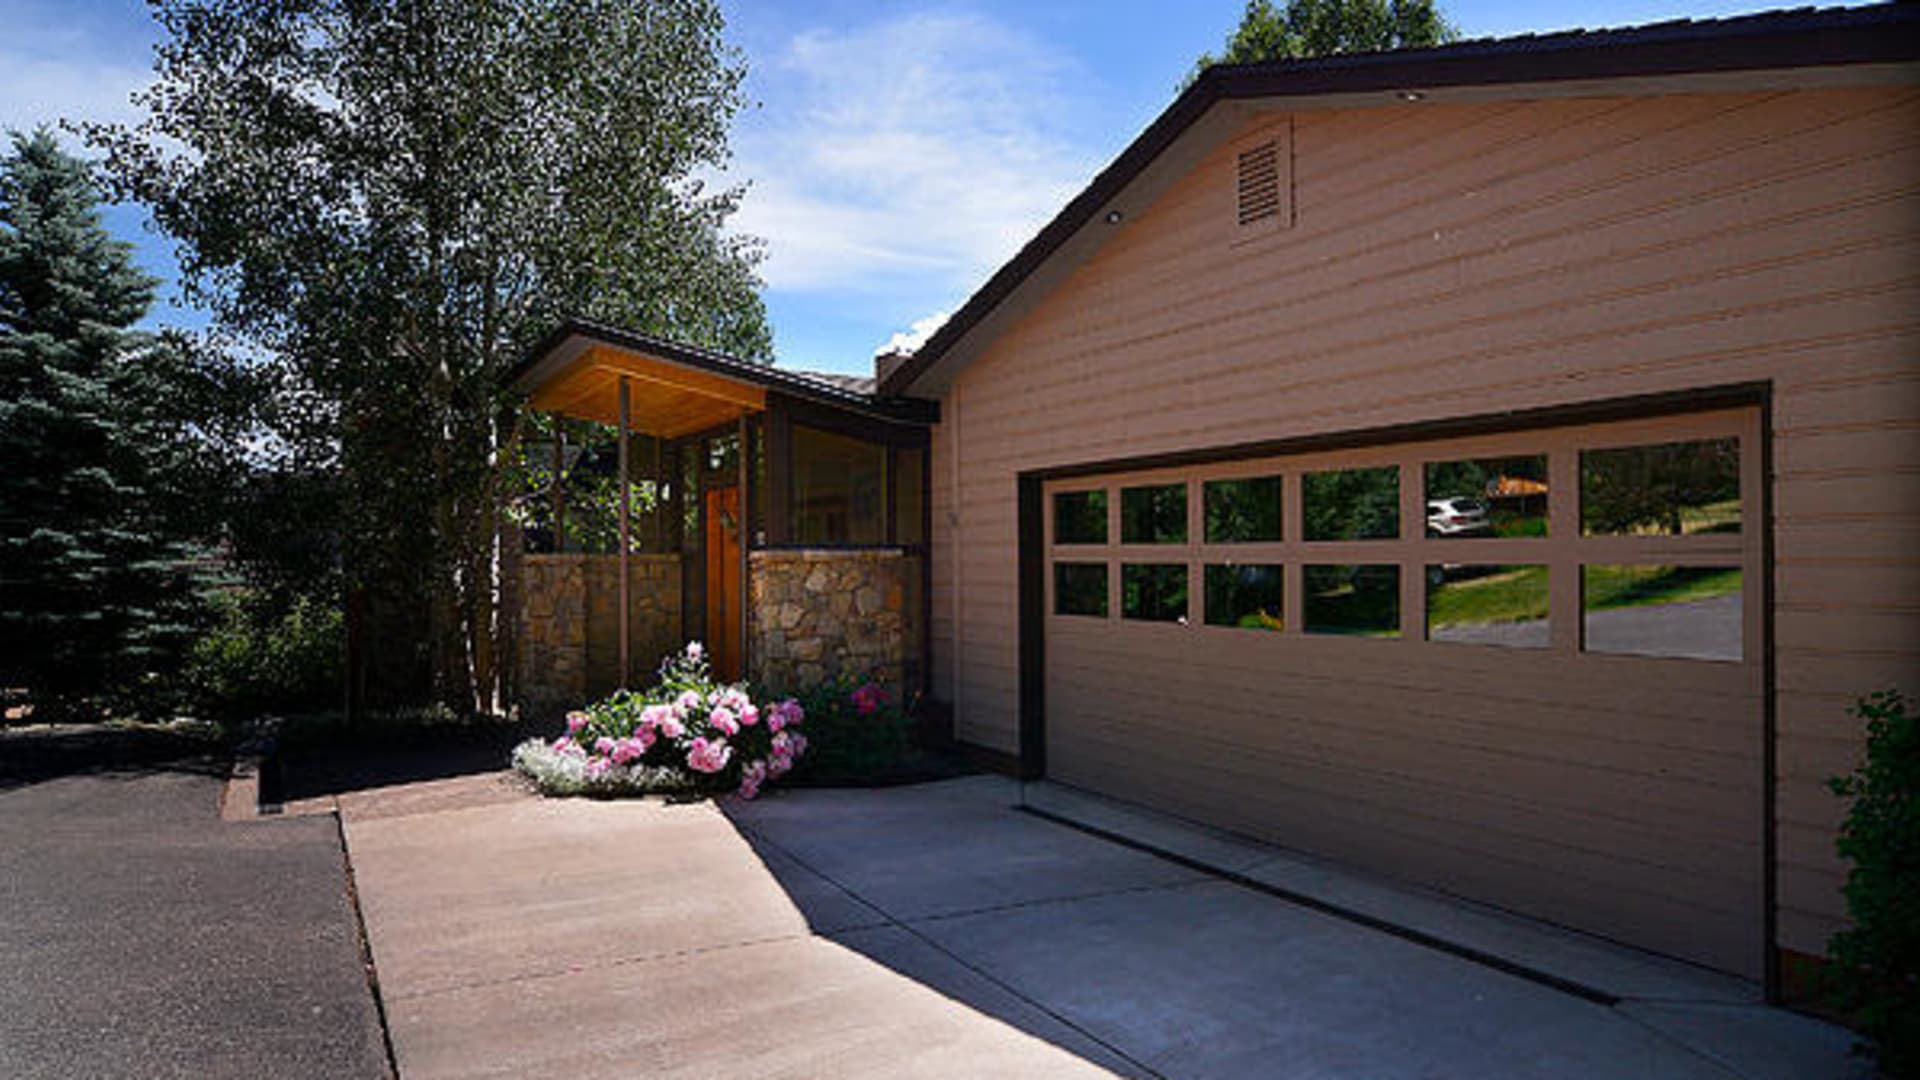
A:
[936,930]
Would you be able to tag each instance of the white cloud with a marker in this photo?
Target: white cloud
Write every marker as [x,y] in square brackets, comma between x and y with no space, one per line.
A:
[49,74]
[916,153]
[909,341]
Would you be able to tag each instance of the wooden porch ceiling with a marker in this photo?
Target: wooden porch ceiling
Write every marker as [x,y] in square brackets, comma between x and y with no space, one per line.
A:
[665,399]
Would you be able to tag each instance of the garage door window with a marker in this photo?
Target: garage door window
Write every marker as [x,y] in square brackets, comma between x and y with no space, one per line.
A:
[1502,605]
[1154,515]
[1487,497]
[1154,592]
[1080,589]
[1622,538]
[1080,517]
[1246,596]
[1243,511]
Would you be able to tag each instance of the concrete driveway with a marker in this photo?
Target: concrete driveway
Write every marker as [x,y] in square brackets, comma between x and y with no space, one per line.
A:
[938,931]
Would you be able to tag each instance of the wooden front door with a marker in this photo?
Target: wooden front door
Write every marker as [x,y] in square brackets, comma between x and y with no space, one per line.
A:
[723,581]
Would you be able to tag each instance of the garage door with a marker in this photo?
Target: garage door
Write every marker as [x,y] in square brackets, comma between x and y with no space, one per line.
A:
[1524,668]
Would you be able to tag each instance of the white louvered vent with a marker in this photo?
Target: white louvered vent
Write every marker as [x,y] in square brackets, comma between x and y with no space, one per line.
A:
[1259,199]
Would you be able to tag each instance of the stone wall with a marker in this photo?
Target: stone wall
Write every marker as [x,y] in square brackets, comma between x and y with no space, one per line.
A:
[814,614]
[568,644]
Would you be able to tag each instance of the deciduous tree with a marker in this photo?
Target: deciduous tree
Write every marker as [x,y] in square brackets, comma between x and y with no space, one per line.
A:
[391,200]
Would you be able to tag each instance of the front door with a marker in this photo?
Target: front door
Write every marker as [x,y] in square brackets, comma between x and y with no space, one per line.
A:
[723,581]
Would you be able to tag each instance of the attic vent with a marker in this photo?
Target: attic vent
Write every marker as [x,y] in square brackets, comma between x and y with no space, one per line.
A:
[1259,183]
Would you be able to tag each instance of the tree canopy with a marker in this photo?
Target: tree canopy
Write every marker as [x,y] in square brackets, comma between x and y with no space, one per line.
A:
[1304,28]
[388,201]
[97,593]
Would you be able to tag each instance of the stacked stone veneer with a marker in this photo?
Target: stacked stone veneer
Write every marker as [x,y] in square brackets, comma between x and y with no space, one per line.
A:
[569,629]
[815,614]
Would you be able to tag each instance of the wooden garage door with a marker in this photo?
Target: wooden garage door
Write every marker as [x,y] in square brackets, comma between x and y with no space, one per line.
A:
[1523,668]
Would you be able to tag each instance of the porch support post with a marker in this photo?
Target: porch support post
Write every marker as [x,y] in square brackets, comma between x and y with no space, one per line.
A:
[559,485]
[746,536]
[626,583]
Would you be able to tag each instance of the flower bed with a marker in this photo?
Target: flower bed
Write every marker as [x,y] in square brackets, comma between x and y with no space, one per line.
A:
[686,735]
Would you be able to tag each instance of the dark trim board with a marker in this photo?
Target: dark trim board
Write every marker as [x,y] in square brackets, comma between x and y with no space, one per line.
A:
[1769,720]
[1032,562]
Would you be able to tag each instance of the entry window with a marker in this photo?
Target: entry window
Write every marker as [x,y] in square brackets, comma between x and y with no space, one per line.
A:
[1689,612]
[1080,517]
[1153,515]
[1487,497]
[839,489]
[1242,511]
[1080,589]
[1671,489]
[1154,592]
[1356,601]
[909,488]
[1246,596]
[1352,504]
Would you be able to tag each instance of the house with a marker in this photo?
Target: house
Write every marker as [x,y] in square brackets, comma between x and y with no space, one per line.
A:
[1152,501]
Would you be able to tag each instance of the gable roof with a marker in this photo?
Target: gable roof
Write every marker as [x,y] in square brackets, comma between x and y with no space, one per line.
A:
[574,339]
[1830,46]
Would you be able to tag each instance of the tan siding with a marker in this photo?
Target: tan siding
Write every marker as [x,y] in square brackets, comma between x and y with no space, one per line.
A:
[1472,259]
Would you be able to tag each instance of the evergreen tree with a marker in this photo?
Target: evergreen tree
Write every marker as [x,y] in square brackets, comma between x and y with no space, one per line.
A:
[94,593]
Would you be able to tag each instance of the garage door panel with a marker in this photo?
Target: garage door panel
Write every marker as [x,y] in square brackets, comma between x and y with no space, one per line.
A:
[1468,788]
[1268,692]
[1621,794]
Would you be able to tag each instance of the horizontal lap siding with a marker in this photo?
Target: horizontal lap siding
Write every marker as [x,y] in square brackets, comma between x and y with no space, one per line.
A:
[1451,260]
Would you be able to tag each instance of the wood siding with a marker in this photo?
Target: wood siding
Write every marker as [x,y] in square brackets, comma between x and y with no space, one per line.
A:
[1451,260]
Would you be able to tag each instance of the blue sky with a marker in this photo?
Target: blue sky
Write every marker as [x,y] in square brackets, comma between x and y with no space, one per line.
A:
[897,153]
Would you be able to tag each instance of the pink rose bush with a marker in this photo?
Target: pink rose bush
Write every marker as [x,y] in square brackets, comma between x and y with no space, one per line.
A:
[686,733]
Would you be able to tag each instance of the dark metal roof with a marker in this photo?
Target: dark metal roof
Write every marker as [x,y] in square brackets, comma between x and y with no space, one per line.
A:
[825,389]
[1779,40]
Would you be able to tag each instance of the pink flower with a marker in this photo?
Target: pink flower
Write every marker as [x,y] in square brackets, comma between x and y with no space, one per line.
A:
[603,745]
[687,704]
[654,716]
[563,744]
[749,714]
[798,743]
[785,714]
[576,721]
[598,767]
[643,738]
[723,720]
[866,699]
[778,764]
[756,773]
[670,727]
[708,757]
[695,651]
[627,750]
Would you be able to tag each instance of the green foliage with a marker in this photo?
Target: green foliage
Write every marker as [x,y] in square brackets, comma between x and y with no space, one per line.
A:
[99,470]
[263,657]
[1305,28]
[1875,970]
[1351,504]
[859,734]
[389,202]
[1670,487]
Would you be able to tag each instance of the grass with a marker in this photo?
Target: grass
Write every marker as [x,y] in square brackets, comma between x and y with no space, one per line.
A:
[1519,594]
[1607,587]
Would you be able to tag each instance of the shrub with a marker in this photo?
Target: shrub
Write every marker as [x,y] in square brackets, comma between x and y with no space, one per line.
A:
[860,733]
[1875,971]
[686,734]
[261,659]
